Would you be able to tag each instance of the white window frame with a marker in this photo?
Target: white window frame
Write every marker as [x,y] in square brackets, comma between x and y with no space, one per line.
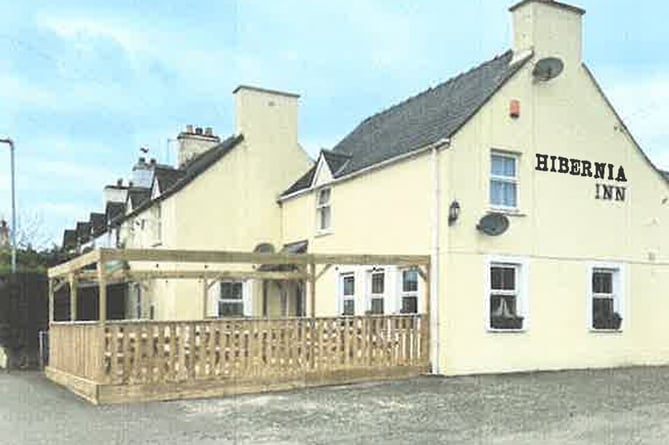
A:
[345,297]
[376,296]
[522,266]
[321,207]
[241,300]
[507,179]
[618,293]
[408,294]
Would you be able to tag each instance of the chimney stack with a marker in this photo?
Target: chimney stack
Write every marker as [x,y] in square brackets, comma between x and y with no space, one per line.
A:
[115,193]
[192,143]
[266,116]
[550,29]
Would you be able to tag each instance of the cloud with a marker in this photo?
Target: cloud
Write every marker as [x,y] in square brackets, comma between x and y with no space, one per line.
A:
[85,30]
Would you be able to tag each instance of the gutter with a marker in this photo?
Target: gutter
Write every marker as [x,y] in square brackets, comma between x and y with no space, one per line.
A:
[435,334]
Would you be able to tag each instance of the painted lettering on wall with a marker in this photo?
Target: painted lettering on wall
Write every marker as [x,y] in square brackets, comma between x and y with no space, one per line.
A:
[596,170]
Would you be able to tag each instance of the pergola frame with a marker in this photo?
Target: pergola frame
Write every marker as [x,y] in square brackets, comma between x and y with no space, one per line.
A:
[72,272]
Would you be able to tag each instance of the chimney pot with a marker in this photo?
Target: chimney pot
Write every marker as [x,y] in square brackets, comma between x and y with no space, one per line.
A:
[119,182]
[189,129]
[152,161]
[129,184]
[198,130]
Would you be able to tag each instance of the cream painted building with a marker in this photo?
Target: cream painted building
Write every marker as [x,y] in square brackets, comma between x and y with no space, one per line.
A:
[545,220]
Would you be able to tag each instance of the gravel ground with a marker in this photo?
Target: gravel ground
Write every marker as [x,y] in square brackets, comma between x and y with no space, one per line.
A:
[622,406]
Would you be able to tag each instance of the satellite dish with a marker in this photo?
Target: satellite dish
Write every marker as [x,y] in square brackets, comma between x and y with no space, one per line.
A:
[493,224]
[547,69]
[264,248]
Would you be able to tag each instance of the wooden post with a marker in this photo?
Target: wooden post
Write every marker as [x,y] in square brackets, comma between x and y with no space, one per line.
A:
[102,292]
[74,292]
[312,290]
[205,291]
[51,300]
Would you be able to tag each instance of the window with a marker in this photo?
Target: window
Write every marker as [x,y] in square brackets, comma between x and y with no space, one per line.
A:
[323,210]
[377,289]
[230,302]
[348,294]
[605,291]
[504,295]
[503,181]
[409,292]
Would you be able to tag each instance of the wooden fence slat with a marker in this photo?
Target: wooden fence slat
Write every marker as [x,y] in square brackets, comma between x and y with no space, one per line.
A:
[129,353]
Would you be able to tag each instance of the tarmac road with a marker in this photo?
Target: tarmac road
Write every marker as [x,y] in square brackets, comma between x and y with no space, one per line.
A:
[623,406]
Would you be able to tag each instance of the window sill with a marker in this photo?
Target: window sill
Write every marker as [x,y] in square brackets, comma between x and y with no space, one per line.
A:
[512,331]
[507,211]
[605,331]
[321,233]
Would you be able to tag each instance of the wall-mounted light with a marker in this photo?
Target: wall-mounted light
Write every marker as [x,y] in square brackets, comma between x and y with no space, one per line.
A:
[453,212]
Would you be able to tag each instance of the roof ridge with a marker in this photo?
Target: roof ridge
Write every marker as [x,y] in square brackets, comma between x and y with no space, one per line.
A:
[211,149]
[335,153]
[439,85]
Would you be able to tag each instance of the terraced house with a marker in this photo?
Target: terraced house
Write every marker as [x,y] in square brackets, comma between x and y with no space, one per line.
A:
[545,222]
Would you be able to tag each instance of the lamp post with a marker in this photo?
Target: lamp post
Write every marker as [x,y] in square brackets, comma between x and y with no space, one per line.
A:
[11,151]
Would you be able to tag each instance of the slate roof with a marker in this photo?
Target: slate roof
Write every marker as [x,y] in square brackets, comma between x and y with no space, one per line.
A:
[191,170]
[113,210]
[167,176]
[98,223]
[138,195]
[303,183]
[83,231]
[69,239]
[419,121]
[665,174]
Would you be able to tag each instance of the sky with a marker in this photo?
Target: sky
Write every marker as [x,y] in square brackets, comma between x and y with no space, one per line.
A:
[84,84]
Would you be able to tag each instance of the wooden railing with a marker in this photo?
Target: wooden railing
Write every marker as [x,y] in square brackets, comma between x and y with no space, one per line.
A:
[144,352]
[77,348]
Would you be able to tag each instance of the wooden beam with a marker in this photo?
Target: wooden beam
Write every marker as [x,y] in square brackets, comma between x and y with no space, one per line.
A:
[74,292]
[395,260]
[312,288]
[212,256]
[322,272]
[61,284]
[205,294]
[51,300]
[74,264]
[203,256]
[102,292]
[213,275]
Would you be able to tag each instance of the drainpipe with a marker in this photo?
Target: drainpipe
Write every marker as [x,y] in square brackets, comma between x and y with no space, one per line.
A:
[435,334]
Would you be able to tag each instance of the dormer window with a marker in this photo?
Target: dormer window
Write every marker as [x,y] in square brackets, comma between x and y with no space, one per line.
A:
[323,210]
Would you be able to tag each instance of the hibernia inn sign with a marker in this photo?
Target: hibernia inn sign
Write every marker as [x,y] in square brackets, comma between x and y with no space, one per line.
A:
[597,170]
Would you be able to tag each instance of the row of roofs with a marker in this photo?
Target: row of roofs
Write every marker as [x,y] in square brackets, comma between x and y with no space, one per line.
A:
[151,182]
[403,129]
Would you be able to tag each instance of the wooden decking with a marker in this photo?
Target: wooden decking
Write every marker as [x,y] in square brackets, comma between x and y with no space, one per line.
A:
[120,361]
[152,360]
